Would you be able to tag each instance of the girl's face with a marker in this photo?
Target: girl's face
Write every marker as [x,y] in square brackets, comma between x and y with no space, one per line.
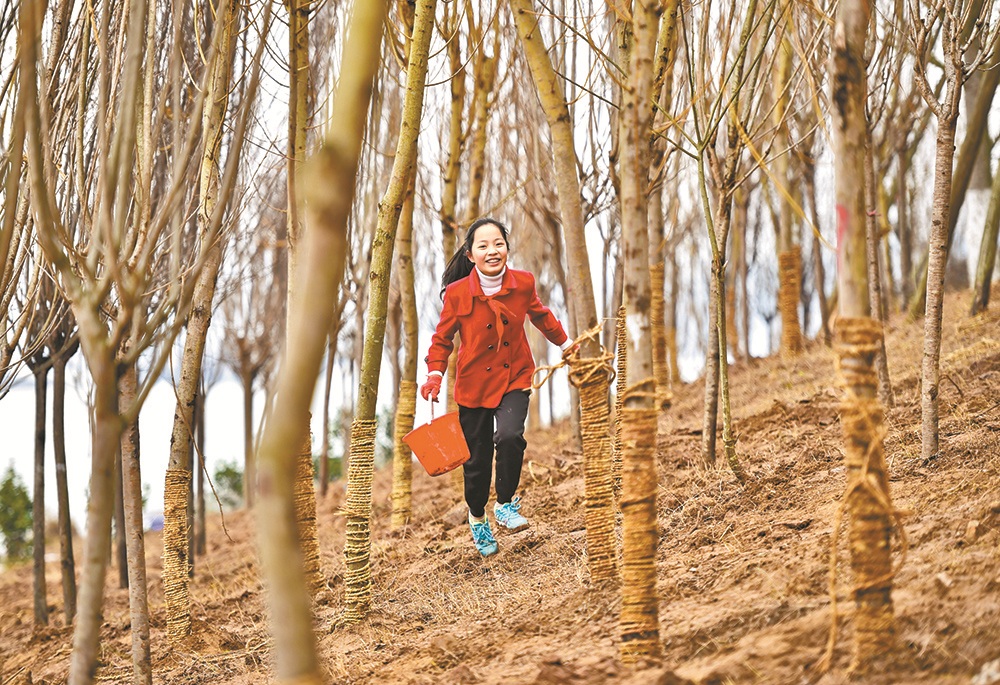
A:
[489,250]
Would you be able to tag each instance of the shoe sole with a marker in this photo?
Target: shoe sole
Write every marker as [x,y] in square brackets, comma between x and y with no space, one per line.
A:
[515,529]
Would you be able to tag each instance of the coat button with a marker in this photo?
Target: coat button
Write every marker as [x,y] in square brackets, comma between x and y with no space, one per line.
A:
[506,344]
[506,366]
[505,322]
[489,325]
[491,347]
[489,368]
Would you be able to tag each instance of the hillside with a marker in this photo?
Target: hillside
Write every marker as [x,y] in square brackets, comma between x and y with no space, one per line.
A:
[743,571]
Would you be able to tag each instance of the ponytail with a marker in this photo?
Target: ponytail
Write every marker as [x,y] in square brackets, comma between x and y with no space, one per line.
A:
[460,266]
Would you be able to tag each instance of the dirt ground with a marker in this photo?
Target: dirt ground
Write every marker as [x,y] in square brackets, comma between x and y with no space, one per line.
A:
[743,571]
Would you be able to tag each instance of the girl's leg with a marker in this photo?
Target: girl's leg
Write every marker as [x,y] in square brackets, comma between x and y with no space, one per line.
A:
[477,425]
[510,443]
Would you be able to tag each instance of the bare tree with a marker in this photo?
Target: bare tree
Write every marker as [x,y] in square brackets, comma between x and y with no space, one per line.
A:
[866,498]
[954,17]
[320,272]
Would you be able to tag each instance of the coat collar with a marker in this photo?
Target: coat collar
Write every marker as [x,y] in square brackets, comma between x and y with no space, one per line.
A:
[476,288]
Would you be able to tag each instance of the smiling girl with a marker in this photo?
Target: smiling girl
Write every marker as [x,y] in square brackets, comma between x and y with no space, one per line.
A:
[487,303]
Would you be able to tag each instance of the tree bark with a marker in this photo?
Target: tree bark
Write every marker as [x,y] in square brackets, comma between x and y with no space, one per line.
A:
[594,419]
[199,527]
[105,442]
[987,252]
[819,272]
[66,562]
[41,605]
[324,451]
[959,175]
[249,462]
[142,673]
[903,225]
[937,250]
[357,549]
[328,188]
[789,253]
[482,102]
[176,557]
[866,497]
[872,240]
[299,120]
[402,459]
[639,624]
[119,549]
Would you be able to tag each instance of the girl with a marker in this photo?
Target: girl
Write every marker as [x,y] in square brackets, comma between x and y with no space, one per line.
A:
[487,303]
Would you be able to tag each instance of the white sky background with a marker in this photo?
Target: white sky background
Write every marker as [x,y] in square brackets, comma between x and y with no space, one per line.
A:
[224,429]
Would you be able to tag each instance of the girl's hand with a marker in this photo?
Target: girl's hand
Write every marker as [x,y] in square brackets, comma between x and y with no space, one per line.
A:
[431,388]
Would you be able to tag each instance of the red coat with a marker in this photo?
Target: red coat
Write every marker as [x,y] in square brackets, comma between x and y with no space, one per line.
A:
[493,355]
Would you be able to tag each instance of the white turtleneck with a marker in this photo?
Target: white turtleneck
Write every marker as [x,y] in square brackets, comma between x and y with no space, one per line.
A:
[491,284]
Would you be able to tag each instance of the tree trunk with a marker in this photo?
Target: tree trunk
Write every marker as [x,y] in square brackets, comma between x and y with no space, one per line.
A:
[819,273]
[670,316]
[120,550]
[872,241]
[199,527]
[299,119]
[357,548]
[328,188]
[324,452]
[485,78]
[176,523]
[639,624]
[960,175]
[249,462]
[789,254]
[105,443]
[987,252]
[594,409]
[449,197]
[903,226]
[710,405]
[66,563]
[41,604]
[132,490]
[937,250]
[866,497]
[402,459]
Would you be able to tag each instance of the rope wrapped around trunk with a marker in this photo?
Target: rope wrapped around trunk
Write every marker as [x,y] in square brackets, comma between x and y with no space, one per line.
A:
[592,376]
[358,508]
[402,460]
[621,340]
[639,623]
[789,287]
[305,513]
[658,333]
[872,517]
[175,554]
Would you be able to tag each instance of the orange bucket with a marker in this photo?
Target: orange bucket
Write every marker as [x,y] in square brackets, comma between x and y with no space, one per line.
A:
[439,445]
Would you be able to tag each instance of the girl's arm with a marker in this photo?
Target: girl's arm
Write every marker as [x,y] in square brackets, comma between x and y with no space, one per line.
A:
[442,340]
[545,321]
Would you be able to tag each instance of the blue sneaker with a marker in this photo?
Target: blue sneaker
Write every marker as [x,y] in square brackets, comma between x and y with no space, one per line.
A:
[509,515]
[482,537]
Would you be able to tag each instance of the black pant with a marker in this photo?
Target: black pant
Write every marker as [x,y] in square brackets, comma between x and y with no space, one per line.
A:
[478,427]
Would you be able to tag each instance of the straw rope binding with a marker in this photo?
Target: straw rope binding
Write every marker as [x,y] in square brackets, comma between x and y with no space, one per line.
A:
[639,623]
[789,290]
[358,507]
[402,460]
[175,553]
[305,513]
[872,517]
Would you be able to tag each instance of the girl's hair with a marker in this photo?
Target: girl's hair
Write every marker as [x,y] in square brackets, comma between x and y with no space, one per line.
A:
[460,266]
